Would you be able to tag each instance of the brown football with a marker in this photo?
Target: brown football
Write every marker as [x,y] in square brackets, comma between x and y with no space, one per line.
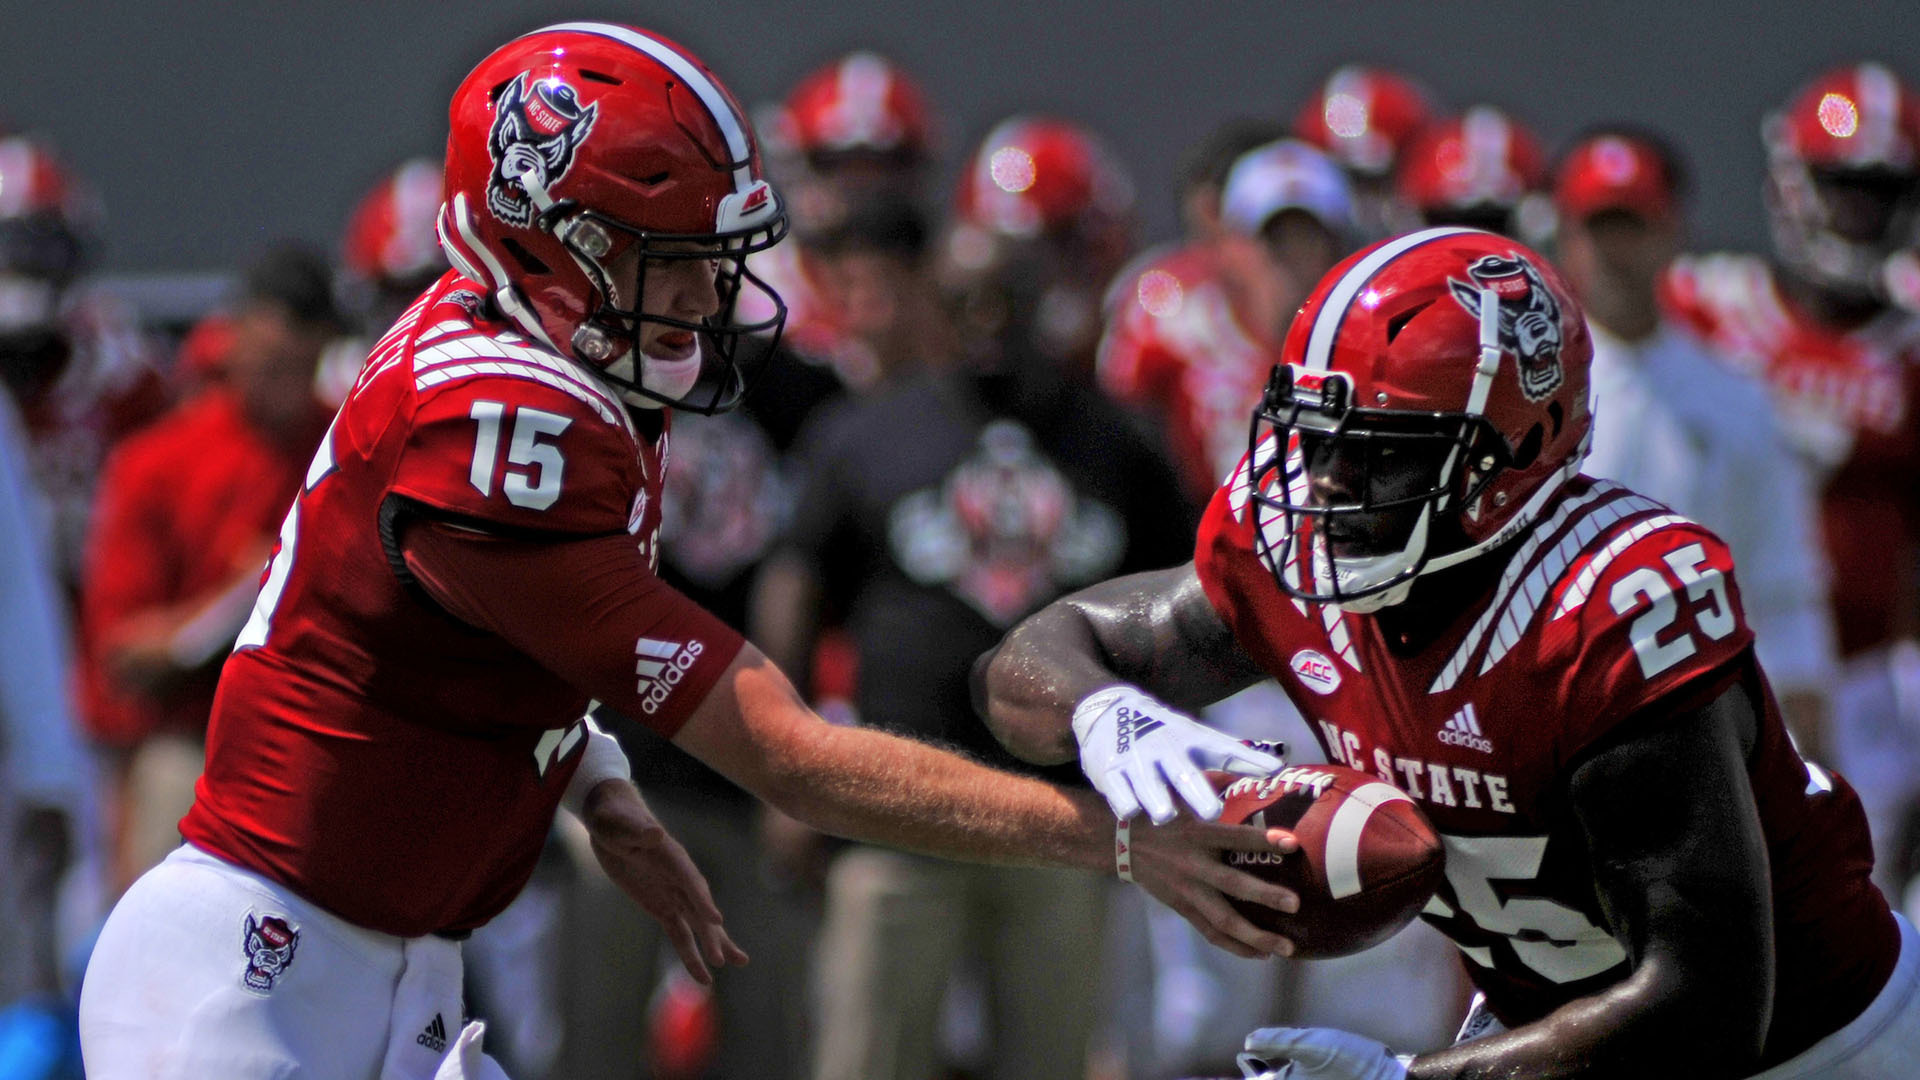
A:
[1368,859]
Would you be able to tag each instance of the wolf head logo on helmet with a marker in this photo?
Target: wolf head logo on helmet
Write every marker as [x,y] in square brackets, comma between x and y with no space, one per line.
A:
[1529,318]
[535,128]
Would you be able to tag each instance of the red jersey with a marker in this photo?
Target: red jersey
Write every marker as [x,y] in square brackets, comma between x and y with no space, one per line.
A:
[1175,347]
[1847,401]
[185,509]
[369,750]
[1610,607]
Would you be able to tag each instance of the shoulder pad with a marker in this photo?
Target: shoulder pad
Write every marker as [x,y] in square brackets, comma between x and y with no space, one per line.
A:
[509,433]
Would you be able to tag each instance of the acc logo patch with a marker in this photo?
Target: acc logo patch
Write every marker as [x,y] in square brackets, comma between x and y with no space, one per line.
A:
[1316,671]
[1529,318]
[535,130]
[269,943]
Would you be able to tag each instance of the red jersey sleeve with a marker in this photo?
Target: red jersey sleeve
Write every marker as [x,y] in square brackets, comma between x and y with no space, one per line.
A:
[1234,577]
[590,611]
[1654,615]
[1132,363]
[522,454]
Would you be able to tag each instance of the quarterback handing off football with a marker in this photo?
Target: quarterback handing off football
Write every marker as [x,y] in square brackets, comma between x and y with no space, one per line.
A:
[1368,858]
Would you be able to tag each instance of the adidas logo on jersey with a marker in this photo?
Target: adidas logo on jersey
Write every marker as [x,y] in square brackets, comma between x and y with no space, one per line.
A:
[434,1037]
[1463,729]
[661,666]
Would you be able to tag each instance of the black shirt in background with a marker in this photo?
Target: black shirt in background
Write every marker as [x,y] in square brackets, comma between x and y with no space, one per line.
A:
[944,508]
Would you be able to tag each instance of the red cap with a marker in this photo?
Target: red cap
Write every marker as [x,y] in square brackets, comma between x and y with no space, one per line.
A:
[1614,172]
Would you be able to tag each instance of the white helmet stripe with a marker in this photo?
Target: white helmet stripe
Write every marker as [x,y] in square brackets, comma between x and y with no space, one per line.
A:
[731,126]
[1326,323]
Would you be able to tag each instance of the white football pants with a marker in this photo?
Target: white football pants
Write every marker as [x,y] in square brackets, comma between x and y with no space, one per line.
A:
[179,987]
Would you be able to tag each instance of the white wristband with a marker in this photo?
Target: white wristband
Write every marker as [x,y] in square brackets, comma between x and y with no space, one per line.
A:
[1123,849]
[602,760]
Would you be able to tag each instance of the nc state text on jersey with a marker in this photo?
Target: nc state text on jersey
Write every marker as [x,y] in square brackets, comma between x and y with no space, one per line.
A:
[1428,781]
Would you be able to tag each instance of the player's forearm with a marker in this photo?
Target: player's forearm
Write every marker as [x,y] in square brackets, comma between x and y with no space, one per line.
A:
[1634,1028]
[870,785]
[1027,687]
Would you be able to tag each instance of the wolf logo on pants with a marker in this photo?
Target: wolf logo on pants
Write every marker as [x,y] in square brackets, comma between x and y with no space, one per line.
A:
[269,943]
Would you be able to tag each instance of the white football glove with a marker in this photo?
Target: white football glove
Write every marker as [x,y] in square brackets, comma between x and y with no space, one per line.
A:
[465,1061]
[1134,749]
[1318,1054]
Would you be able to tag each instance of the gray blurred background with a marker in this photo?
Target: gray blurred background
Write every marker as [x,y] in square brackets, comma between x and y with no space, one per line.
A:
[209,128]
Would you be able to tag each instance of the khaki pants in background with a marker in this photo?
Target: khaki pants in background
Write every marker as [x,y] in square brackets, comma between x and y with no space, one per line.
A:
[614,955]
[896,928]
[156,791]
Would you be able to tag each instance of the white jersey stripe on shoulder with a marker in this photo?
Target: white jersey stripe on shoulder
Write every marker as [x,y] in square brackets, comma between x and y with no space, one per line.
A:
[460,349]
[512,369]
[1333,311]
[1511,577]
[1582,585]
[448,328]
[730,124]
[1538,583]
[1338,635]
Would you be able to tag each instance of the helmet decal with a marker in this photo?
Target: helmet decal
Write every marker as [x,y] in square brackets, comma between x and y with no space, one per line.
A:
[536,130]
[1529,317]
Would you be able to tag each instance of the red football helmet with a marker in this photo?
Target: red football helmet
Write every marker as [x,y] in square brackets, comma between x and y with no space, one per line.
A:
[569,146]
[390,237]
[1481,169]
[1430,399]
[1843,177]
[1364,118]
[859,104]
[47,223]
[1033,175]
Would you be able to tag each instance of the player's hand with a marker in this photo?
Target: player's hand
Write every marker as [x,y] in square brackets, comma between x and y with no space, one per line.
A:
[1280,1053]
[1139,751]
[652,868]
[1180,865]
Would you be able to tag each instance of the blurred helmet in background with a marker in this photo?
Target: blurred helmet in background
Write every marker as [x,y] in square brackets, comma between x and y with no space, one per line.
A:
[49,226]
[391,251]
[1365,118]
[1042,220]
[1843,179]
[1482,169]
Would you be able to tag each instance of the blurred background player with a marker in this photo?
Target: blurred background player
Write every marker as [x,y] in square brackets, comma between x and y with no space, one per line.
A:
[939,508]
[1193,359]
[1482,169]
[1365,118]
[856,129]
[47,786]
[388,257]
[80,370]
[186,514]
[1674,424]
[1842,362]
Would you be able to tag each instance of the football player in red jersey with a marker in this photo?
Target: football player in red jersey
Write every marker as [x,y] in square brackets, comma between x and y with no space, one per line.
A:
[1642,876]
[469,561]
[1822,326]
